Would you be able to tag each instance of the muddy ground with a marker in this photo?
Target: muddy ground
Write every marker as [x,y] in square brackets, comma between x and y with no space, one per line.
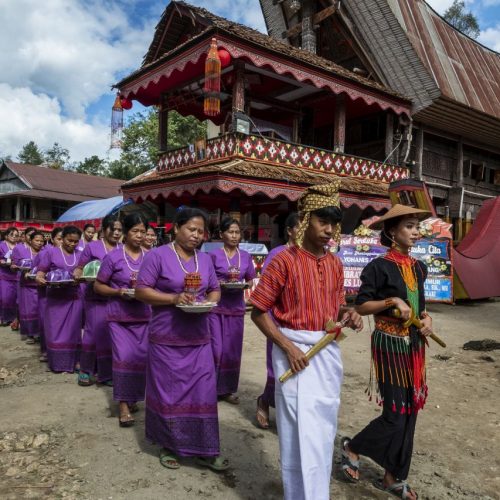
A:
[58,440]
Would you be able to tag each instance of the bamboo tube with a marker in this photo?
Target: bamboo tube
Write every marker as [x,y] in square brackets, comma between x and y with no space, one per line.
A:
[417,323]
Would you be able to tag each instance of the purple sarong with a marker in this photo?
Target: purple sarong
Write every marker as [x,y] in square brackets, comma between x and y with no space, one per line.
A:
[267,396]
[181,400]
[8,289]
[227,346]
[28,310]
[130,349]
[96,352]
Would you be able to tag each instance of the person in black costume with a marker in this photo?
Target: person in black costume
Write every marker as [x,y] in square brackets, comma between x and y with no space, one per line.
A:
[394,282]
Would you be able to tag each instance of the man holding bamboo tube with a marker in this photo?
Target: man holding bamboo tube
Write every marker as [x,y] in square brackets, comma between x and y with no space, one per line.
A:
[303,287]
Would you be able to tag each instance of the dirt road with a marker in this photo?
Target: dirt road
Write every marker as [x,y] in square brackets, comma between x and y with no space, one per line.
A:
[58,440]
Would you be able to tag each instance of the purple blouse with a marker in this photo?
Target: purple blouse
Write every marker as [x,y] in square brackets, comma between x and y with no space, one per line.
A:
[170,325]
[95,250]
[232,301]
[52,259]
[270,256]
[20,253]
[6,253]
[115,273]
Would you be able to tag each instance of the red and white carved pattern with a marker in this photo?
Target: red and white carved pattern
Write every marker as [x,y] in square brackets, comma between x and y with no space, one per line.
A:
[284,154]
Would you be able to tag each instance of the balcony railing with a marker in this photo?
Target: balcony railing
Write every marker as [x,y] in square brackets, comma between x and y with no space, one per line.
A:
[276,152]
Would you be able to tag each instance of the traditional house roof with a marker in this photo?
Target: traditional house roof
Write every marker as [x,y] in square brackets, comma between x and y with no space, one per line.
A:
[454,81]
[42,182]
[182,26]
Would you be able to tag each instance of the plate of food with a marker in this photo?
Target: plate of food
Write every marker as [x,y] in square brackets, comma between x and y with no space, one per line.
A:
[130,292]
[197,307]
[60,283]
[90,271]
[234,285]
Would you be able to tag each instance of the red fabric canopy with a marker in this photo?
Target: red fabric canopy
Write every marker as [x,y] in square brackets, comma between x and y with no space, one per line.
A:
[477,258]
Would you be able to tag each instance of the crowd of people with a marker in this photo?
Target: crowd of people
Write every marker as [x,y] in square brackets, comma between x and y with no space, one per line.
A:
[164,324]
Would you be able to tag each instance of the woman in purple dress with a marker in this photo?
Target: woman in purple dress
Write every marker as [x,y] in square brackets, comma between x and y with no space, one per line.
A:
[127,317]
[266,399]
[56,241]
[95,357]
[227,319]
[23,257]
[88,234]
[150,240]
[63,311]
[181,395]
[8,278]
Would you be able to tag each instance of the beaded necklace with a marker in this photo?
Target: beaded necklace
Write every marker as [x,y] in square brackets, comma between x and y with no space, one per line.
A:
[406,268]
[180,261]
[64,258]
[227,257]
[125,257]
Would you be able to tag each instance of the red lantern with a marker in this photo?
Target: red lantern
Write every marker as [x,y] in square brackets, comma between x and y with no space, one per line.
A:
[225,58]
[126,103]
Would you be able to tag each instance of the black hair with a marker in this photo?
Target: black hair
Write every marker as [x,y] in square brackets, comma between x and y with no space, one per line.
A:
[36,232]
[87,226]
[55,232]
[331,214]
[29,230]
[71,230]
[385,235]
[187,213]
[292,220]
[131,220]
[109,222]
[227,222]
[9,230]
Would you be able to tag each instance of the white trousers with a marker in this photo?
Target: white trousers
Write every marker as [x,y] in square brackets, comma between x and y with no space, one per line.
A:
[306,415]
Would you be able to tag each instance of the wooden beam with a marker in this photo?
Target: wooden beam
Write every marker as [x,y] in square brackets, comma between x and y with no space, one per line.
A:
[419,144]
[339,124]
[389,137]
[318,18]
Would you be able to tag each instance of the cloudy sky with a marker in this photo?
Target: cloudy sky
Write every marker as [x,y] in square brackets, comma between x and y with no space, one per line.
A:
[59,59]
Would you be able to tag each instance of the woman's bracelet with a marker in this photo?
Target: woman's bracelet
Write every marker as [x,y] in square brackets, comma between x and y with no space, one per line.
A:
[389,303]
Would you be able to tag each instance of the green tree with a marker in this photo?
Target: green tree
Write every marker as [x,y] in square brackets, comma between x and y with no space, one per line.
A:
[92,165]
[464,21]
[30,153]
[56,156]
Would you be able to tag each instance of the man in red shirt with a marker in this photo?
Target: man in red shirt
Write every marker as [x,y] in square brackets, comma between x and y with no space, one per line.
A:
[303,287]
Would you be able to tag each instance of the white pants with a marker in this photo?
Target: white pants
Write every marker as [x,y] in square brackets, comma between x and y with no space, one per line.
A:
[306,415]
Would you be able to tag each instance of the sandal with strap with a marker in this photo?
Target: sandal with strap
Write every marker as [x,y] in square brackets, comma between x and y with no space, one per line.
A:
[218,464]
[126,420]
[261,415]
[231,399]
[84,379]
[348,462]
[399,489]
[169,460]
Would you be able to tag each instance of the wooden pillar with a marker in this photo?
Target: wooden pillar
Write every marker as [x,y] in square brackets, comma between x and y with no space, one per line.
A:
[339,125]
[460,164]
[163,124]
[308,33]
[295,128]
[18,209]
[389,137]
[239,89]
[419,144]
[255,226]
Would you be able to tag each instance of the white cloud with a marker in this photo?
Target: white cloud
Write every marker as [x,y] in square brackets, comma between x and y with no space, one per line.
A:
[27,116]
[491,37]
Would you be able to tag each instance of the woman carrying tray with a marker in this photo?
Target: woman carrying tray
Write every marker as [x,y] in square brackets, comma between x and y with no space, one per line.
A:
[96,344]
[398,384]
[233,267]
[181,394]
[23,259]
[8,278]
[63,311]
[127,318]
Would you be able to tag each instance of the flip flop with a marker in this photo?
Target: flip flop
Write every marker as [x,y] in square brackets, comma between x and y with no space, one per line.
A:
[394,487]
[169,460]
[30,340]
[231,399]
[348,463]
[84,379]
[218,464]
[126,420]
[263,414]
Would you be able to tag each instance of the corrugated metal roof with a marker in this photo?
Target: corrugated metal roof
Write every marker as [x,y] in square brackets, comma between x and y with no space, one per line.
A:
[464,70]
[60,184]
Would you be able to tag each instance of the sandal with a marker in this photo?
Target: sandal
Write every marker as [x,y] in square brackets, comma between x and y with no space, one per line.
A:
[231,399]
[30,340]
[14,326]
[399,489]
[126,420]
[84,379]
[108,383]
[169,460]
[348,462]
[262,415]
[218,464]
[43,358]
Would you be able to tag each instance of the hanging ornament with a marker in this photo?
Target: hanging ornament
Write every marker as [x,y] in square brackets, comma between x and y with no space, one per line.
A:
[225,58]
[126,103]
[117,123]
[211,105]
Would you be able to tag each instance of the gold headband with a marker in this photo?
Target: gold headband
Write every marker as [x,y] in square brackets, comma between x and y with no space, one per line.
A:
[315,198]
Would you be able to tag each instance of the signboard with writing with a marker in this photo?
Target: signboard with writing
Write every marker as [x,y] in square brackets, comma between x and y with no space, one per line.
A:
[357,251]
